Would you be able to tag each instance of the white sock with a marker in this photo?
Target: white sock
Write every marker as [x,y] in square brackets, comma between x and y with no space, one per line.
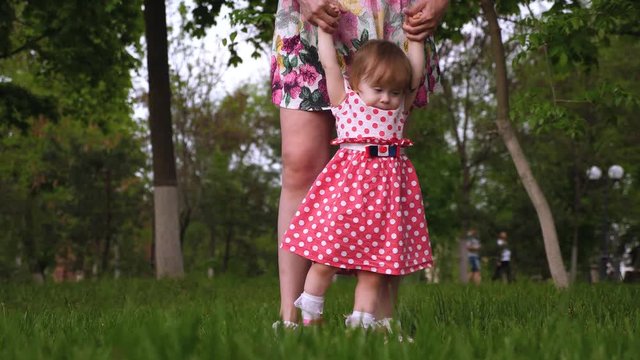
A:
[311,306]
[360,319]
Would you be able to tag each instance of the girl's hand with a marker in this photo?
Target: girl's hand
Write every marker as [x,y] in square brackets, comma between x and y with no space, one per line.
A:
[422,19]
[321,13]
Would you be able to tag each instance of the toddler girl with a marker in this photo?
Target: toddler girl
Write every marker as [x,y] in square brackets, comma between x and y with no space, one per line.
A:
[364,212]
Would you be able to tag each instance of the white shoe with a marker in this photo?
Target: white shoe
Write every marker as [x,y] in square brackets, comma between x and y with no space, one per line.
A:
[283,324]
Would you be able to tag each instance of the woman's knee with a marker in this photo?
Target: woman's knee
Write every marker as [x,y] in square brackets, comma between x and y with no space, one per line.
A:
[300,167]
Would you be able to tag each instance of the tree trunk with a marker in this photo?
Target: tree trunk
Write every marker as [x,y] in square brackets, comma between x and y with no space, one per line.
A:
[35,268]
[107,235]
[227,248]
[577,208]
[539,201]
[212,251]
[167,242]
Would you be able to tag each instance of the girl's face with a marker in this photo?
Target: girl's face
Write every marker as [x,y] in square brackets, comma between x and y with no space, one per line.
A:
[382,97]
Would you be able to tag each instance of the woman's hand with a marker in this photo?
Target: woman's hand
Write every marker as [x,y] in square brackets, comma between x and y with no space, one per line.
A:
[321,13]
[422,18]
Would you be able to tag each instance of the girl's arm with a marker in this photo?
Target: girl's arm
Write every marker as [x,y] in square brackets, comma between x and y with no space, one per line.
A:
[332,71]
[416,55]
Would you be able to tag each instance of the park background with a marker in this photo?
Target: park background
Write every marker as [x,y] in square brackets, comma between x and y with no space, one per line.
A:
[76,171]
[80,174]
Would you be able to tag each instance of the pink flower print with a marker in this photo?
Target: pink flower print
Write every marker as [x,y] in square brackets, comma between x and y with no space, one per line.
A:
[390,29]
[396,5]
[347,28]
[292,82]
[292,45]
[421,97]
[432,83]
[274,66]
[308,74]
[322,87]
[276,89]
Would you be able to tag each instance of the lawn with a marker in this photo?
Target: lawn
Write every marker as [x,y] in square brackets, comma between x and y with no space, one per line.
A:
[230,318]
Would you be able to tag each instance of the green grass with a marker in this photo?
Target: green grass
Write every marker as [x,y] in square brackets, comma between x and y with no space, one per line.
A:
[230,318]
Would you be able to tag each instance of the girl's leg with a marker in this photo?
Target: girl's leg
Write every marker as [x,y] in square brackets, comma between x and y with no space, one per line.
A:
[305,151]
[311,302]
[366,299]
[319,278]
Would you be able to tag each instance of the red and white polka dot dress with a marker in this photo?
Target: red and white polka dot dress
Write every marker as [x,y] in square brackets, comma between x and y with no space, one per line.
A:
[363,212]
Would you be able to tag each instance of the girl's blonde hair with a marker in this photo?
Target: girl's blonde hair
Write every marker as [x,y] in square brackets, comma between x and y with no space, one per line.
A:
[381,63]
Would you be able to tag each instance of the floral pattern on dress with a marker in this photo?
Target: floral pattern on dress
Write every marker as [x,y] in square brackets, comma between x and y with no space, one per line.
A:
[297,77]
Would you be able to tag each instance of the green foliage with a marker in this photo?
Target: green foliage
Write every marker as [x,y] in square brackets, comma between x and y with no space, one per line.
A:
[73,178]
[18,104]
[226,151]
[254,18]
[230,318]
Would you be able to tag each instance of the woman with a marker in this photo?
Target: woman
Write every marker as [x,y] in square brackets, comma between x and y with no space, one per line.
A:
[299,89]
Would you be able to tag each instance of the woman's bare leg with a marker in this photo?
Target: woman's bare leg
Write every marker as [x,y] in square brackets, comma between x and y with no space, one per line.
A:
[367,290]
[305,152]
[387,297]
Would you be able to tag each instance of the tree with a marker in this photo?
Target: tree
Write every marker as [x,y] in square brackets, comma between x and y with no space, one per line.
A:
[64,84]
[168,254]
[538,199]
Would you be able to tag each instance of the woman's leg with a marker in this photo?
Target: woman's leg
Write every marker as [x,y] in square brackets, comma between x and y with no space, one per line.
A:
[366,300]
[305,151]
[387,297]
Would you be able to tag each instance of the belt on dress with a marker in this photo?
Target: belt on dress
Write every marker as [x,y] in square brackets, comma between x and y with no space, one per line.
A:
[373,150]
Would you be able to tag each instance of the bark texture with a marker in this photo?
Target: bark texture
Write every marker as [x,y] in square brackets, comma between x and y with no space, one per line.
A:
[167,225]
[538,199]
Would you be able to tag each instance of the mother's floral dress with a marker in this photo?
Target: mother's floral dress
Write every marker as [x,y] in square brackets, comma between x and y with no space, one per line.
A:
[297,77]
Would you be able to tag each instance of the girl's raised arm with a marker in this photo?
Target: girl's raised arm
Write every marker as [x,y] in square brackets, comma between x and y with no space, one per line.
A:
[416,55]
[332,71]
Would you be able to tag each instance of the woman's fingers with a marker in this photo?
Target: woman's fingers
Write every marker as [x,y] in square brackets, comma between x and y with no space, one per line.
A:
[419,29]
[321,13]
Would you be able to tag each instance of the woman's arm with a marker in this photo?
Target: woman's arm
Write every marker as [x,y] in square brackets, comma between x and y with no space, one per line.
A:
[416,55]
[332,71]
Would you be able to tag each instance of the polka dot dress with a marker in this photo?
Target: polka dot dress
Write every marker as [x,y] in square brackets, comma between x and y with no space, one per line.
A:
[364,213]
